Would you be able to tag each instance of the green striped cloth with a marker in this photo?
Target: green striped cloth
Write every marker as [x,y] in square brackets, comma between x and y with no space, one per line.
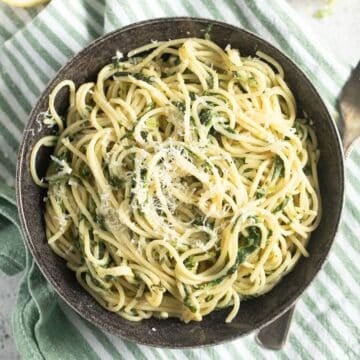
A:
[34,44]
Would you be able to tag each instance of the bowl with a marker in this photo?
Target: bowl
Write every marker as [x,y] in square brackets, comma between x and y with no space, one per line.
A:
[254,313]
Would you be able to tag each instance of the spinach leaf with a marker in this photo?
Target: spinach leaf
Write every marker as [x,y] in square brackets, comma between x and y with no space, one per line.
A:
[249,244]
[279,168]
[206,116]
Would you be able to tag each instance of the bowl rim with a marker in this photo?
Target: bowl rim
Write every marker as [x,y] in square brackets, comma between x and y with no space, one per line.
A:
[21,159]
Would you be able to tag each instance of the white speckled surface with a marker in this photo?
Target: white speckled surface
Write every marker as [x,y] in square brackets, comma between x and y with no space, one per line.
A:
[340,33]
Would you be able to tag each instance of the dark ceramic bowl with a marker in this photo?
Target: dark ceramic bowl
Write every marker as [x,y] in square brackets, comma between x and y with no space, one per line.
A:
[254,313]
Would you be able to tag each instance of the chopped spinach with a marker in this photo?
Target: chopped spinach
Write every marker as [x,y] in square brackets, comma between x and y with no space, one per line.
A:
[85,171]
[260,193]
[100,220]
[209,298]
[210,81]
[247,245]
[188,303]
[206,116]
[282,205]
[192,95]
[190,263]
[142,77]
[115,181]
[180,105]
[279,167]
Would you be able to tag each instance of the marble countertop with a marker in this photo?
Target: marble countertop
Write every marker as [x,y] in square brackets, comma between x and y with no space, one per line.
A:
[339,33]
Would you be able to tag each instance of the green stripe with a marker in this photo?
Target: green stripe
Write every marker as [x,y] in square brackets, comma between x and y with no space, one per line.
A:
[52,37]
[129,12]
[295,30]
[6,162]
[283,41]
[92,4]
[85,20]
[8,137]
[250,345]
[169,11]
[348,231]
[99,18]
[298,347]
[134,349]
[5,106]
[112,18]
[355,155]
[4,33]
[244,20]
[314,337]
[340,284]
[333,301]
[34,11]
[13,17]
[322,317]
[168,354]
[43,77]
[18,95]
[350,266]
[234,6]
[153,350]
[40,50]
[25,77]
[68,27]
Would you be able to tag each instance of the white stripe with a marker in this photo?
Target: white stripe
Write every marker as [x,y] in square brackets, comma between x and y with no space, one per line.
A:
[6,175]
[320,330]
[242,347]
[72,23]
[15,77]
[16,107]
[323,305]
[7,150]
[175,6]
[343,273]
[71,42]
[28,69]
[120,346]
[229,14]
[163,354]
[288,350]
[342,241]
[137,10]
[302,53]
[97,6]
[121,19]
[308,343]
[340,68]
[178,354]
[46,43]
[85,332]
[34,56]
[147,351]
[23,15]
[257,24]
[86,17]
[338,297]
[11,128]
[8,24]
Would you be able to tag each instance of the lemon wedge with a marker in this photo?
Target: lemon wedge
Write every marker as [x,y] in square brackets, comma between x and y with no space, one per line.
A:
[24,3]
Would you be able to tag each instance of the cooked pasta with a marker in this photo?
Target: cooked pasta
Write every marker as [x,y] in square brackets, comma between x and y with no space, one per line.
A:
[182,180]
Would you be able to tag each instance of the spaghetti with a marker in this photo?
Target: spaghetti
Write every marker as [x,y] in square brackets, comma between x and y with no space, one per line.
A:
[182,181]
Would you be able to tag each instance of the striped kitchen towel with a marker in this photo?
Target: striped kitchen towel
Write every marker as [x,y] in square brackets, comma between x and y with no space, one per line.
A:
[33,45]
